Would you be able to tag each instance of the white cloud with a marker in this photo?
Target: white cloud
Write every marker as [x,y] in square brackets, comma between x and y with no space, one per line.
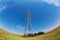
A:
[19,27]
[54,2]
[8,3]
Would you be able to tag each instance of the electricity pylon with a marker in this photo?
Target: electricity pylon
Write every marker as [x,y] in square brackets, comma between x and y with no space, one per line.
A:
[28,22]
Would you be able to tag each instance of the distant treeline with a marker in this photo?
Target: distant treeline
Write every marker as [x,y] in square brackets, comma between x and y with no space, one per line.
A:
[34,34]
[39,33]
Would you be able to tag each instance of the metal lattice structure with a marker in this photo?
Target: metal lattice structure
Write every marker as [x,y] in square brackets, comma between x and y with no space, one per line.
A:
[28,22]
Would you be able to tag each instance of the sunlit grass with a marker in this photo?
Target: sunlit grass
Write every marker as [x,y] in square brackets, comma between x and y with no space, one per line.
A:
[53,35]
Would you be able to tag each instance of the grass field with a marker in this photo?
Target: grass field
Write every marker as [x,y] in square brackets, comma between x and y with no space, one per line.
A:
[52,35]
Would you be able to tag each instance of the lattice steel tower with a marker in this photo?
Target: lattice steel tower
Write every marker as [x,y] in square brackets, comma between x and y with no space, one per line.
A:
[28,22]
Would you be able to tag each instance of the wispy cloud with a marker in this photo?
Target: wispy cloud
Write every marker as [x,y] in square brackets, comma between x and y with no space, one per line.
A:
[2,8]
[8,3]
[18,30]
[54,2]
[19,27]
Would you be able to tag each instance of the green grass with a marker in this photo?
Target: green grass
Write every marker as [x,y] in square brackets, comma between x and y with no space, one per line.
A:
[52,35]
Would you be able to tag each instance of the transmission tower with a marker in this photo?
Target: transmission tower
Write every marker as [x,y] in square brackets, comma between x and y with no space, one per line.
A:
[28,22]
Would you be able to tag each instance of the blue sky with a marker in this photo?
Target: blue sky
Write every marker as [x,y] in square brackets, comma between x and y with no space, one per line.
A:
[45,15]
